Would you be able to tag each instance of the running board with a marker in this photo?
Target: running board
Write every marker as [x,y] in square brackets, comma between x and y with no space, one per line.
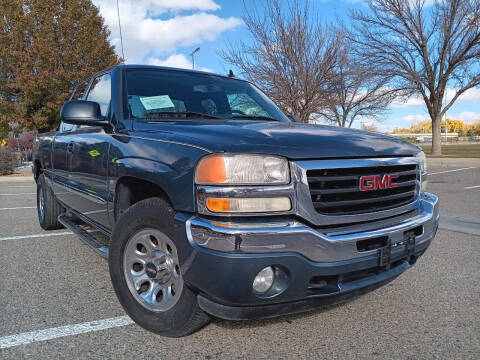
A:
[88,239]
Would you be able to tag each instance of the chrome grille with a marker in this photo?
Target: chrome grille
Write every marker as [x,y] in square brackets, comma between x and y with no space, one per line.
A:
[337,191]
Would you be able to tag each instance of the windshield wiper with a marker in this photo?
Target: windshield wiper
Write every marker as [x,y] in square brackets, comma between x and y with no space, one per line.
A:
[152,115]
[254,117]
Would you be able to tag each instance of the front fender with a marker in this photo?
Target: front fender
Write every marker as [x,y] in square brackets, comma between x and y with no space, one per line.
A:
[170,166]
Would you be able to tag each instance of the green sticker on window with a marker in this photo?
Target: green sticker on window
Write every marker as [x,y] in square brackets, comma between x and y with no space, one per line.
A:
[157,102]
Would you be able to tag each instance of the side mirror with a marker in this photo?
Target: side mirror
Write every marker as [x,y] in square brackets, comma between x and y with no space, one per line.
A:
[294,118]
[81,112]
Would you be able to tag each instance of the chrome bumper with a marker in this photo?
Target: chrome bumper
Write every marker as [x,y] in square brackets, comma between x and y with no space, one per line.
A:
[282,236]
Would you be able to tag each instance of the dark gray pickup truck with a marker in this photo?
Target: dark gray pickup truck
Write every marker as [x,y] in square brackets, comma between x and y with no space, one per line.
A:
[208,200]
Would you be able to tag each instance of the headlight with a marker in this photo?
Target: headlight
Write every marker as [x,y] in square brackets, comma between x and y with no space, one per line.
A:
[242,169]
[423,161]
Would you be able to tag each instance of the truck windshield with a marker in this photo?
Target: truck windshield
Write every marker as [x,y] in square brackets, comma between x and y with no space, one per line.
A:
[165,94]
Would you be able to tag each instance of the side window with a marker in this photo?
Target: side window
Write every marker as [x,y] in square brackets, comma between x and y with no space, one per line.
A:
[79,90]
[64,127]
[100,92]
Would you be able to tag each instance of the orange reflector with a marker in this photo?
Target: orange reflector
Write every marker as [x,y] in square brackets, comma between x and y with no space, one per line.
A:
[218,205]
[211,170]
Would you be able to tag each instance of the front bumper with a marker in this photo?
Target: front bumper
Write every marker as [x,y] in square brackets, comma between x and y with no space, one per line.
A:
[226,257]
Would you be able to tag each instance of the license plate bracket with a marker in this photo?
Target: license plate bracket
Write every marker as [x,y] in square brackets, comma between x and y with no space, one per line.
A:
[385,254]
[409,238]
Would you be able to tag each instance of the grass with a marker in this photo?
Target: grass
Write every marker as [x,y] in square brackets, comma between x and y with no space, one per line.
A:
[456,150]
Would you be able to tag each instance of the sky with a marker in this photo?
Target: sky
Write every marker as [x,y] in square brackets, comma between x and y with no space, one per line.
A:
[165,32]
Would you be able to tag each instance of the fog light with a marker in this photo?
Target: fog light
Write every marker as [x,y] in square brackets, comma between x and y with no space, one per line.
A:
[264,280]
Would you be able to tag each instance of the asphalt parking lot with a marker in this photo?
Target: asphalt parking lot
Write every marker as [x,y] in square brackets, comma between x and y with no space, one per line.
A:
[56,300]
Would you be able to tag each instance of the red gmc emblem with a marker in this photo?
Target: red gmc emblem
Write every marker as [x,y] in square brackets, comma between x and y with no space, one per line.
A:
[376,182]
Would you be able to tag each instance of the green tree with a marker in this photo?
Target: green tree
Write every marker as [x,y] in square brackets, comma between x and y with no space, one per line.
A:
[45,46]
[3,131]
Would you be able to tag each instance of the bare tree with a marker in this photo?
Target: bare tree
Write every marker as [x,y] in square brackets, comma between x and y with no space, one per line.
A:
[424,47]
[291,55]
[357,91]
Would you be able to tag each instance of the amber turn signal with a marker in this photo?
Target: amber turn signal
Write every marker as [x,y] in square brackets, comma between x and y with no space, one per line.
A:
[211,169]
[218,205]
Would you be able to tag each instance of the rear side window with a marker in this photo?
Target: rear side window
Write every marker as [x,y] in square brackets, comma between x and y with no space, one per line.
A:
[80,90]
[100,92]
[64,127]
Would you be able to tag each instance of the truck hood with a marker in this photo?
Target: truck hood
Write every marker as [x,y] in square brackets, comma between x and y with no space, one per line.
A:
[292,140]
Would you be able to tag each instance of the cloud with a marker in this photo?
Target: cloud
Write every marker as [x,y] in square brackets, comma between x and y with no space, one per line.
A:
[411,101]
[469,95]
[174,60]
[466,116]
[415,118]
[153,28]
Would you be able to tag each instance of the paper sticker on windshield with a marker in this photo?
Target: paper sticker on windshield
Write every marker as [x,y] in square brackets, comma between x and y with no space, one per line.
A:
[157,102]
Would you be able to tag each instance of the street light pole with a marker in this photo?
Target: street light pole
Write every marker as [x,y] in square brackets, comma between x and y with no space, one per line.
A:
[193,57]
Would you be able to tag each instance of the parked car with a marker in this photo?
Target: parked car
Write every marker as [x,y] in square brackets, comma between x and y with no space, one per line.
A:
[216,204]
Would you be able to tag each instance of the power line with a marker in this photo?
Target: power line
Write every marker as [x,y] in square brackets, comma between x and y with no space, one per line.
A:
[120,27]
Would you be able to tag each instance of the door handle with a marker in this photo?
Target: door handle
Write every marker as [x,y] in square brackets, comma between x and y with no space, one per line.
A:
[70,147]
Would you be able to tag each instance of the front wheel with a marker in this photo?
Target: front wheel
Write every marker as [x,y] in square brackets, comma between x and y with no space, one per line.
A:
[146,272]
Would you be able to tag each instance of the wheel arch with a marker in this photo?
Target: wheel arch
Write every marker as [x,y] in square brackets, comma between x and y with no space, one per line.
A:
[132,189]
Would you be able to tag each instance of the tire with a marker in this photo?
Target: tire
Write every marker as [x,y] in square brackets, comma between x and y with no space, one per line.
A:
[144,230]
[48,208]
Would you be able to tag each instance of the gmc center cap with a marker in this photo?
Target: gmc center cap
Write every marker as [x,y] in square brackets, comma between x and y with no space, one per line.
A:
[151,270]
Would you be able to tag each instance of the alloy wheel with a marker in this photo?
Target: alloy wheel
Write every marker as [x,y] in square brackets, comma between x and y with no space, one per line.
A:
[152,270]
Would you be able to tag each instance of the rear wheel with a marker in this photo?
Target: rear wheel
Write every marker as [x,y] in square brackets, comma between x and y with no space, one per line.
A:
[48,208]
[146,270]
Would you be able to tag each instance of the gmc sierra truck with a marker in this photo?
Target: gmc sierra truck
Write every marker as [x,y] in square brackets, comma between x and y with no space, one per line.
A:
[208,200]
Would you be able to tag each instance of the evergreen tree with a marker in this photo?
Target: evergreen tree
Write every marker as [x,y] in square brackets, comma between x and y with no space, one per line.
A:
[45,46]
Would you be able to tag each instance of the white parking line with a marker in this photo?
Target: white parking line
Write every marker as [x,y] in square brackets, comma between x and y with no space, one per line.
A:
[34,236]
[18,208]
[19,194]
[472,187]
[448,171]
[62,331]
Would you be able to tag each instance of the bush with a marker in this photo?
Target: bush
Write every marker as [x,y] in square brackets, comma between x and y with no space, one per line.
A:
[8,161]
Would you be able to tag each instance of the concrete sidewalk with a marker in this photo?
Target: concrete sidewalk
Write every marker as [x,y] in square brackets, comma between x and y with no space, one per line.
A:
[16,178]
[457,162]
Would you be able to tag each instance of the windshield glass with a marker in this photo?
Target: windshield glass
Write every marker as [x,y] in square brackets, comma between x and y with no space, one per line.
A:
[158,94]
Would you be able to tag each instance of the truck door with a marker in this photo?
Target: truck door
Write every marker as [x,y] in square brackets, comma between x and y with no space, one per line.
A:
[89,159]
[62,153]
[62,147]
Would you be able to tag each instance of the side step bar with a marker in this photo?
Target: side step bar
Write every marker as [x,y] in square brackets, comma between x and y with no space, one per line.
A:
[88,239]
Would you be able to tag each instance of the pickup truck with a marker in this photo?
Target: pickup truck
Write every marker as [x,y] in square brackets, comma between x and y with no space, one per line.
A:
[208,200]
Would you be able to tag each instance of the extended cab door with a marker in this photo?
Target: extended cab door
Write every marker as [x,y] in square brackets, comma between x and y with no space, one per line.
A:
[89,159]
[61,157]
[62,152]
